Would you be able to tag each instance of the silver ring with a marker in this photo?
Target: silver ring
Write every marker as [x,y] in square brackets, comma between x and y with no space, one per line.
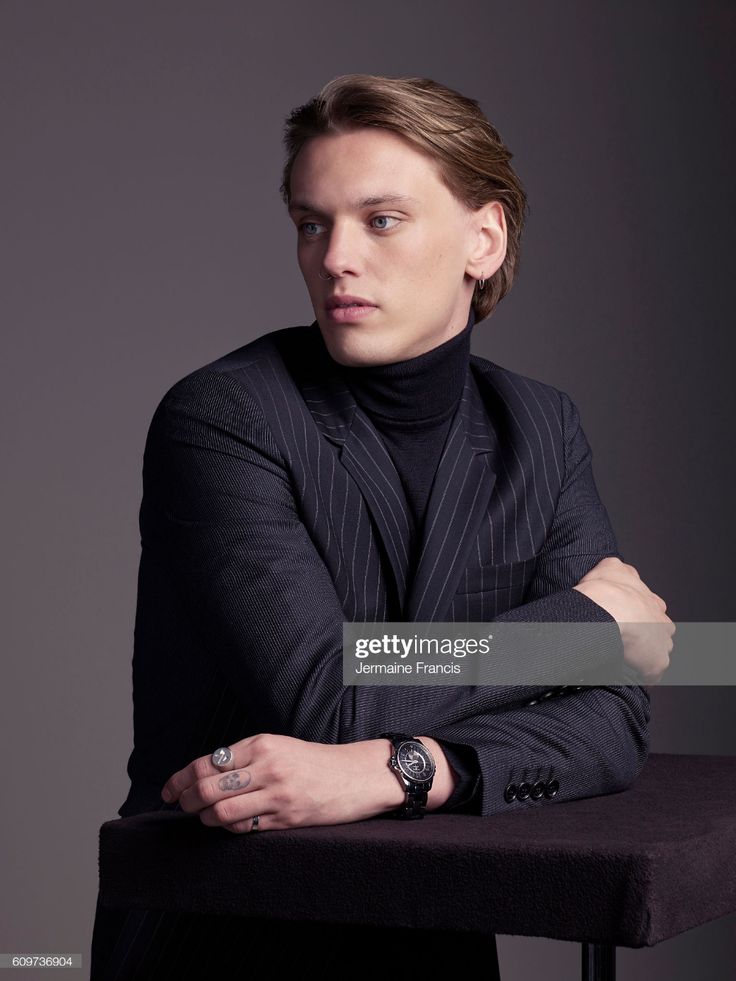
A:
[256,822]
[222,757]
[325,277]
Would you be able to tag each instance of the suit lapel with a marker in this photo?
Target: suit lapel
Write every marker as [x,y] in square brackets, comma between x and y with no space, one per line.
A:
[458,497]
[364,455]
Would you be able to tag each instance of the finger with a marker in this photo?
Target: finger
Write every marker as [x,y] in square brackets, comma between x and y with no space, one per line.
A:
[618,571]
[621,574]
[239,811]
[265,823]
[202,768]
[223,759]
[609,562]
[653,677]
[204,793]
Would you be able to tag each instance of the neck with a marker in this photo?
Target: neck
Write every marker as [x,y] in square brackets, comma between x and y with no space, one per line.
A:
[425,388]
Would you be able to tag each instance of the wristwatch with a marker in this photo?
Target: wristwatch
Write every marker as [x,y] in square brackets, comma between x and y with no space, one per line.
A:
[415,767]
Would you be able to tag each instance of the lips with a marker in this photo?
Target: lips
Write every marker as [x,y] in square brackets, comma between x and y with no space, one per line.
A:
[348,301]
[350,313]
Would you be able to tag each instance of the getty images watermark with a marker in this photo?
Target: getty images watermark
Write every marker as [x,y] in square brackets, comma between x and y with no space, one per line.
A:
[554,654]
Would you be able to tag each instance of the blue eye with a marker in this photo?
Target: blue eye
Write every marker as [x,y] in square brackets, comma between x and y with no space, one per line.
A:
[389,217]
[315,224]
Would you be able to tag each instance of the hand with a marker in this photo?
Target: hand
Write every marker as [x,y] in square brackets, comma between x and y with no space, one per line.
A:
[646,630]
[290,783]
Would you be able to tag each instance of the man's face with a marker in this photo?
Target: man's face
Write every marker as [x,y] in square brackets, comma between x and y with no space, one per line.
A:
[407,258]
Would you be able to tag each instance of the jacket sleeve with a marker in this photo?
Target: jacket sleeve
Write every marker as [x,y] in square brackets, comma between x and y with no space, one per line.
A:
[573,742]
[582,743]
[219,514]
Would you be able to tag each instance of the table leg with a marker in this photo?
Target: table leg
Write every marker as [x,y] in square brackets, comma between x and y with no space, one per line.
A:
[599,962]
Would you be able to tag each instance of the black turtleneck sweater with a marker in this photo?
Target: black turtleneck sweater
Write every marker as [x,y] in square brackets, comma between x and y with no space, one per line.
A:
[412,404]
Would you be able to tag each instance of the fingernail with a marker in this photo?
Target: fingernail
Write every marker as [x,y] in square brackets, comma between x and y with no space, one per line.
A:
[166,794]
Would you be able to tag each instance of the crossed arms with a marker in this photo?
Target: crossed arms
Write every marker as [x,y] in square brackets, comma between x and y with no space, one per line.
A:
[220,512]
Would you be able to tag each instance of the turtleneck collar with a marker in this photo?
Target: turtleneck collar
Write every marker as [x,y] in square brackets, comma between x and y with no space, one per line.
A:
[423,389]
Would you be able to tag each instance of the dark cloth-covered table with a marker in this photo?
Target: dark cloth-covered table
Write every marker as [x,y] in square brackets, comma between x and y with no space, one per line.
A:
[628,869]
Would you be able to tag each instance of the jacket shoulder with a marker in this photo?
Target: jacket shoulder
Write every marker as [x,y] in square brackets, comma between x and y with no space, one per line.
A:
[238,374]
[231,394]
[512,386]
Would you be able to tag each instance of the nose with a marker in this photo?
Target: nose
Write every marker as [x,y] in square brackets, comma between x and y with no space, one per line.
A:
[342,251]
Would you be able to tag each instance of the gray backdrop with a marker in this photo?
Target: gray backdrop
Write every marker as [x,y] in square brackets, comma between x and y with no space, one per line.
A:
[143,235]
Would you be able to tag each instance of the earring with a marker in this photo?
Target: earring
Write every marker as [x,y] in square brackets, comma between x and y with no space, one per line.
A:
[481,283]
[324,277]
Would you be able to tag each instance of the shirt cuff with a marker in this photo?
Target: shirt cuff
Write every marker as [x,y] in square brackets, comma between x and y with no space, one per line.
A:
[464,761]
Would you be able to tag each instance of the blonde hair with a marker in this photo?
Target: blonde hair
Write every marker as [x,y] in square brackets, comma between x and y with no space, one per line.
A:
[472,159]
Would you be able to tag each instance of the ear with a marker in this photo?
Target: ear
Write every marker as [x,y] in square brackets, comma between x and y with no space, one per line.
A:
[489,237]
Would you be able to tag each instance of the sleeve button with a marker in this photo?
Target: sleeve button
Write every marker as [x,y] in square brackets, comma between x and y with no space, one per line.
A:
[509,794]
[551,789]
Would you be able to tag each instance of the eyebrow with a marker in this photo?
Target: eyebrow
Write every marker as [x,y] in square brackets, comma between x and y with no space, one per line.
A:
[357,205]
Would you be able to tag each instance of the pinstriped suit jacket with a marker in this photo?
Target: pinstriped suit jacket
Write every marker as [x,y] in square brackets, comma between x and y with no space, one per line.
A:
[272,512]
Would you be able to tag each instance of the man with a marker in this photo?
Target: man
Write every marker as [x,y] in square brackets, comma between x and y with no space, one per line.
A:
[367,468]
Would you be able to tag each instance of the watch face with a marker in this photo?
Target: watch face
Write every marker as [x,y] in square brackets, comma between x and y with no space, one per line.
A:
[415,761]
